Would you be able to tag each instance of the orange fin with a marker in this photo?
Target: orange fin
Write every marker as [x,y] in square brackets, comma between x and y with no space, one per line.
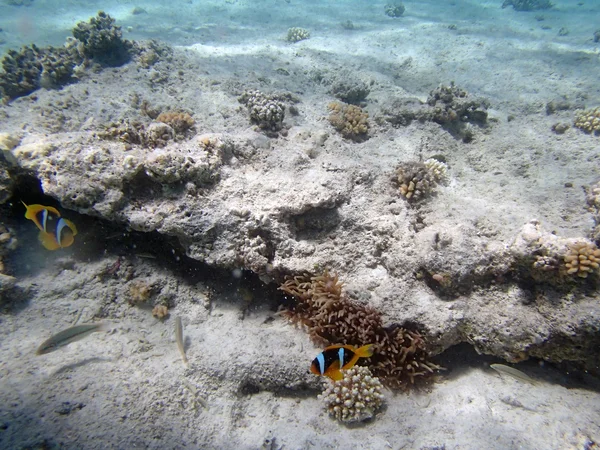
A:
[366,351]
[335,375]
[48,240]
[71,226]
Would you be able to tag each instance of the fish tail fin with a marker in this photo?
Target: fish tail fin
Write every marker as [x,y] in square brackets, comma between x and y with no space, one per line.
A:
[48,241]
[104,326]
[71,226]
[366,351]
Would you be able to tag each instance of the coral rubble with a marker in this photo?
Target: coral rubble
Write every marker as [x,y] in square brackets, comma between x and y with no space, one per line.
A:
[450,106]
[401,357]
[349,89]
[356,397]
[179,121]
[527,5]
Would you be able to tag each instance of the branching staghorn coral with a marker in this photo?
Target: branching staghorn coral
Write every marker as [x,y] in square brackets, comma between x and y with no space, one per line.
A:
[401,357]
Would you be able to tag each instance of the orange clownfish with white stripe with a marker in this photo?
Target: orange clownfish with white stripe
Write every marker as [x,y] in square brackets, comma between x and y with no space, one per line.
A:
[55,232]
[335,358]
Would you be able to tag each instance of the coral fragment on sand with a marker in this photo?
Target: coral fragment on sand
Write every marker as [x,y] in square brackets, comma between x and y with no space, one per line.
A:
[160,311]
[354,398]
[139,292]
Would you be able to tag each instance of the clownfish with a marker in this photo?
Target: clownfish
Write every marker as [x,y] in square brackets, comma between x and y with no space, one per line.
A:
[55,232]
[335,358]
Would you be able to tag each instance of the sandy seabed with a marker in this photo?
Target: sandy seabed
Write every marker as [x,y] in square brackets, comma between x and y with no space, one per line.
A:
[247,385]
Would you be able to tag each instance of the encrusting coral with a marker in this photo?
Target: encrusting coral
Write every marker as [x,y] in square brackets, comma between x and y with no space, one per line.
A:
[354,398]
[401,357]
[350,120]
[588,120]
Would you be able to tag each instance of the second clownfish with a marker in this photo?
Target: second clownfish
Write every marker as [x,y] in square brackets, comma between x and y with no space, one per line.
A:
[55,232]
[335,358]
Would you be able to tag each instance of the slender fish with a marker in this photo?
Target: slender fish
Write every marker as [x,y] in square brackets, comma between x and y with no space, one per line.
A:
[65,337]
[179,338]
[511,371]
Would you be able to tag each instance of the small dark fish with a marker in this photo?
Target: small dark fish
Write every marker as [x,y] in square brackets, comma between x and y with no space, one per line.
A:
[69,335]
[335,358]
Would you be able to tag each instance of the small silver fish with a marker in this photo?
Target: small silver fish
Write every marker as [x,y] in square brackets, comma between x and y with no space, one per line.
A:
[65,337]
[179,339]
[507,370]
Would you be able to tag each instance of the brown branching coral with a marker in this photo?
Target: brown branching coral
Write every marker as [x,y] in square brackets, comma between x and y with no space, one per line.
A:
[582,259]
[179,121]
[401,356]
[350,120]
[414,180]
